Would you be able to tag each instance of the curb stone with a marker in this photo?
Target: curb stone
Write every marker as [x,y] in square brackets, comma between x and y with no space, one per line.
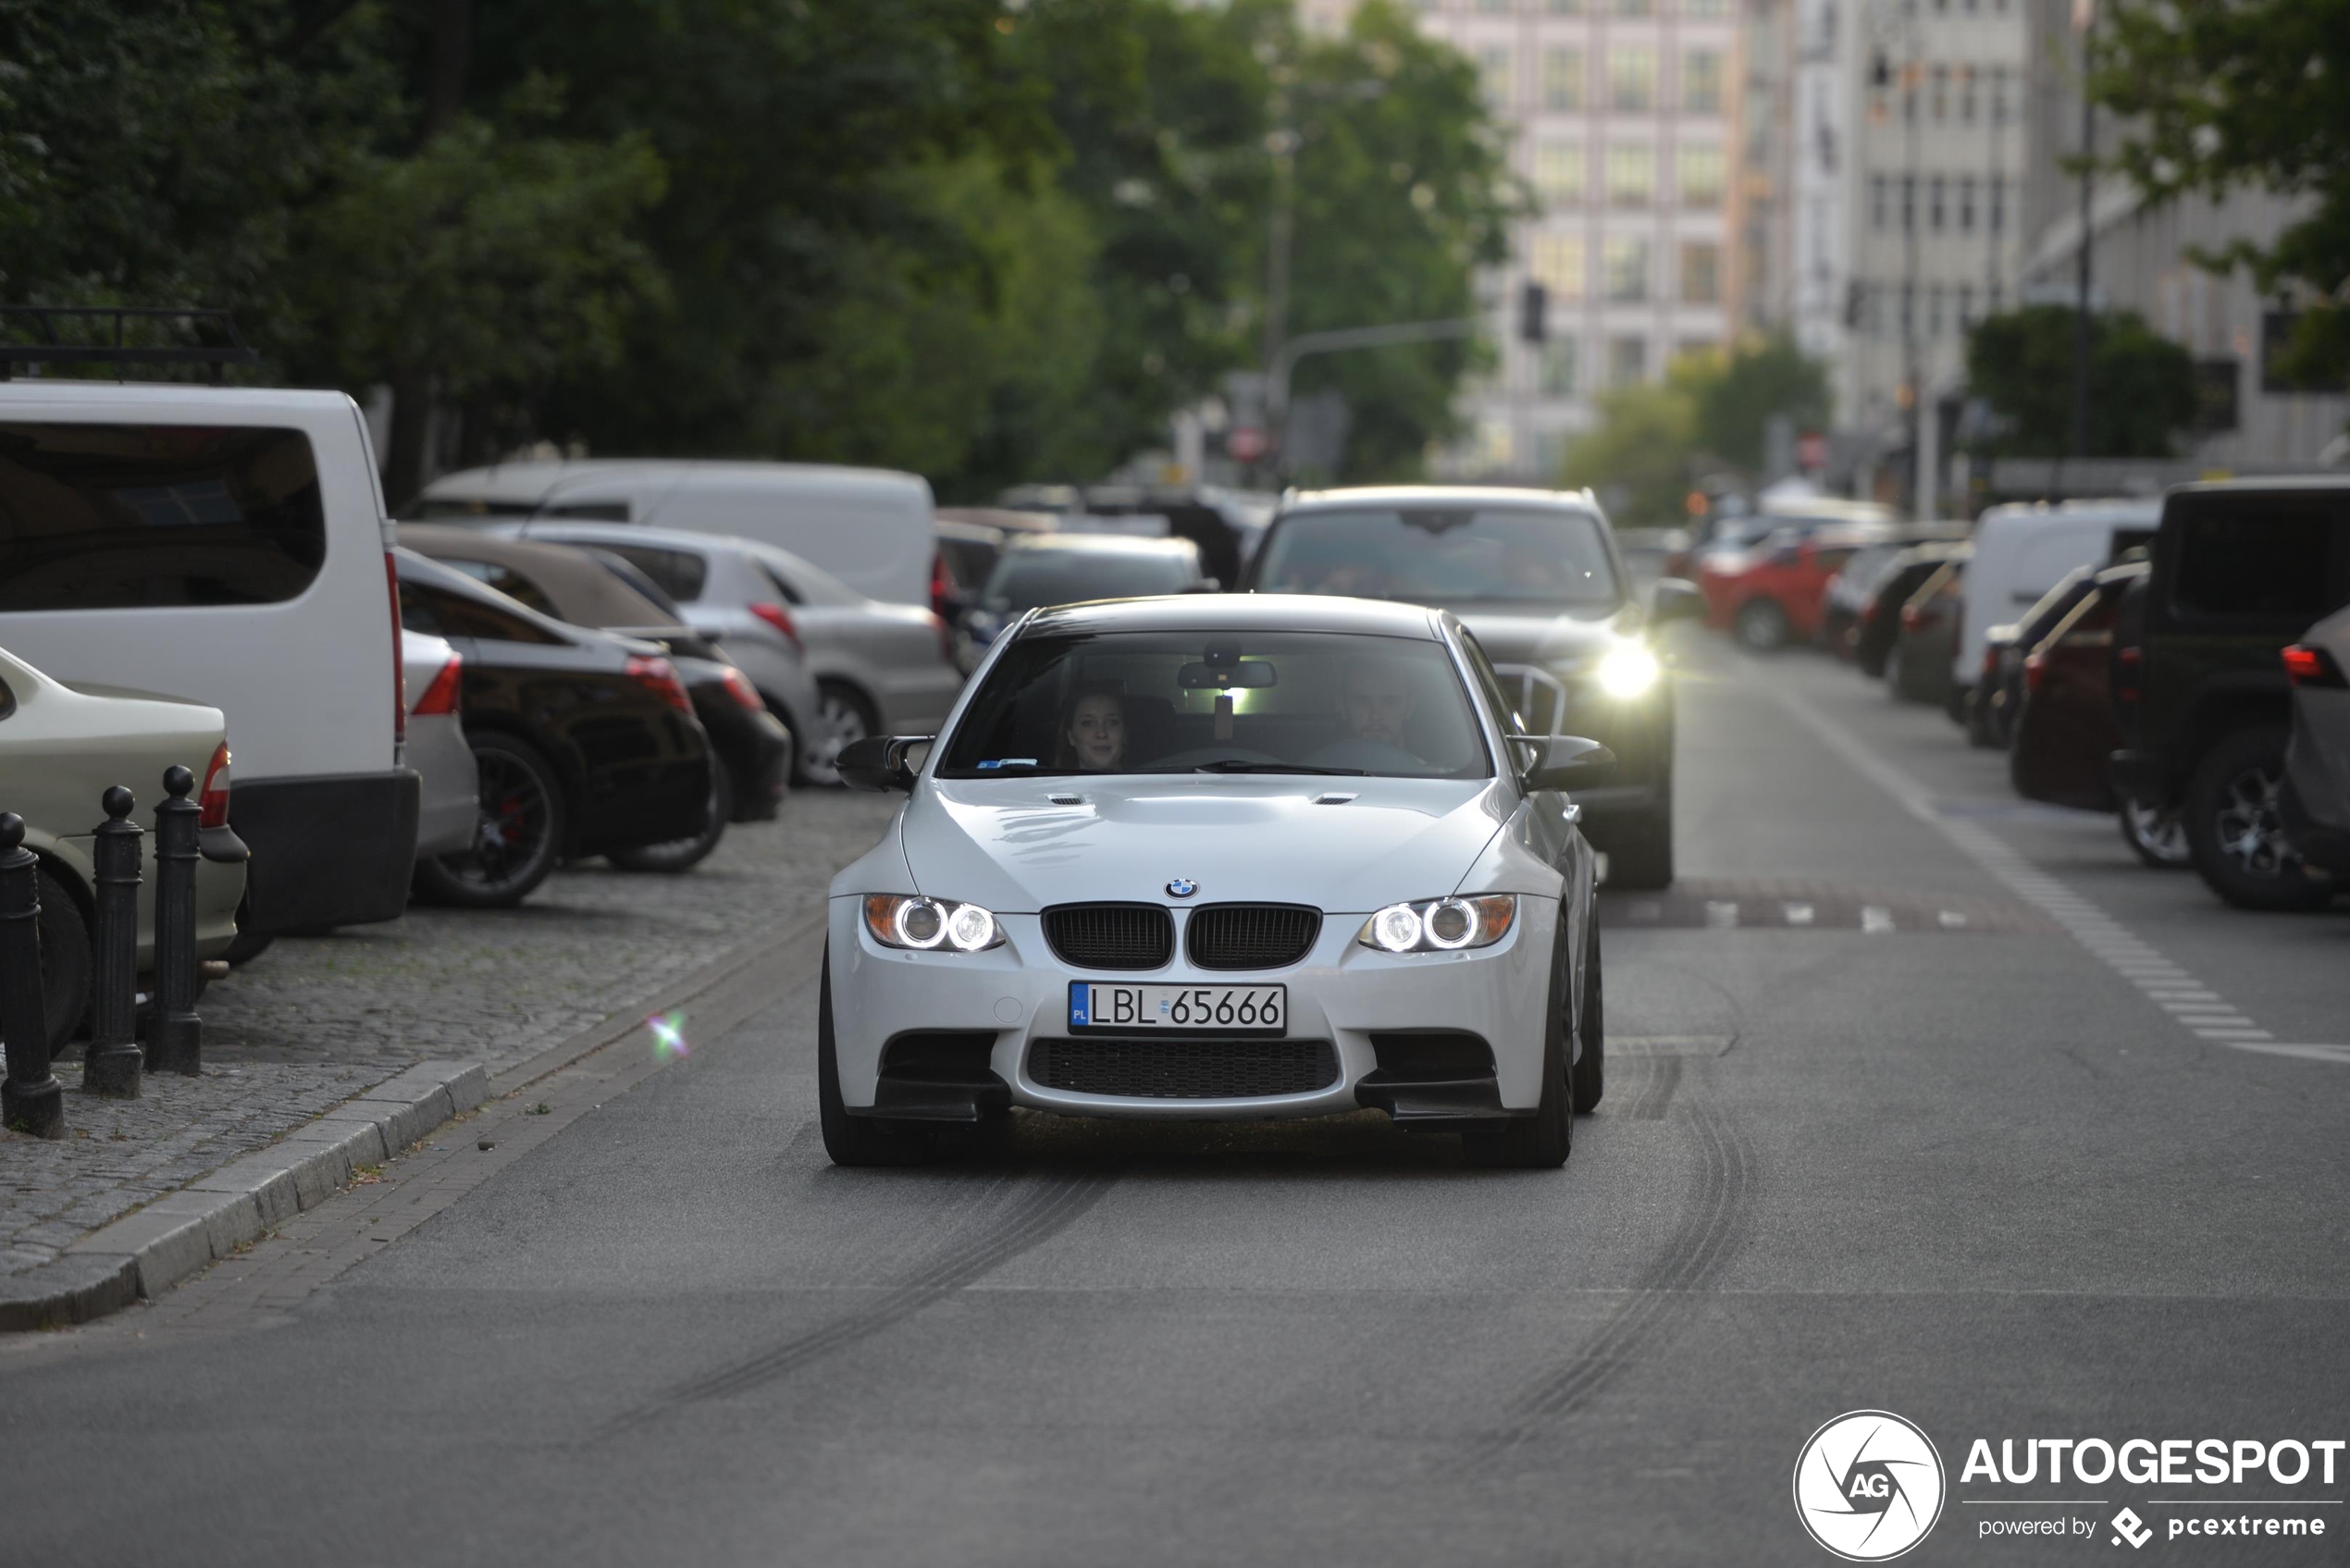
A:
[145,1252]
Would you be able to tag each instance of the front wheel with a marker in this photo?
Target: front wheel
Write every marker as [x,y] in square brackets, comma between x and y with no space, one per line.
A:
[1762,627]
[2235,833]
[851,1139]
[518,836]
[1590,1064]
[2155,836]
[672,856]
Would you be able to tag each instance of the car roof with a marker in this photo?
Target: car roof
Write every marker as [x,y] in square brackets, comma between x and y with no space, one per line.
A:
[1239,613]
[1118,544]
[584,591]
[177,395]
[1437,495]
[533,481]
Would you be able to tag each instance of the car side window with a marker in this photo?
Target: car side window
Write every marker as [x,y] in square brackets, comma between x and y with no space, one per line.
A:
[1488,682]
[507,581]
[680,574]
[452,616]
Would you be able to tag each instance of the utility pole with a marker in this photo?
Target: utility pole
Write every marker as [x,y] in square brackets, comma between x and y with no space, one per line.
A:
[2084,19]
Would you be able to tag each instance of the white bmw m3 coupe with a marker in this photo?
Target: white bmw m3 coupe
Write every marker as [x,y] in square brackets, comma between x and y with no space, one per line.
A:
[1220,857]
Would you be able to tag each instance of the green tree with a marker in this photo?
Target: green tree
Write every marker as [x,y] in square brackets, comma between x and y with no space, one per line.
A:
[2021,363]
[1638,456]
[2248,93]
[1739,394]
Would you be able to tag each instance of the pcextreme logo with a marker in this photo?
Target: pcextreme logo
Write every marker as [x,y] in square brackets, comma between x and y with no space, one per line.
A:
[1868,1486]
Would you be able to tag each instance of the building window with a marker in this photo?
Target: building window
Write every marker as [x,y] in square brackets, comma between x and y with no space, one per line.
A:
[1563,78]
[1556,263]
[1493,75]
[1563,8]
[1999,94]
[1627,268]
[1998,203]
[1558,369]
[1631,7]
[1879,201]
[1966,305]
[1966,204]
[1908,310]
[1933,311]
[1934,203]
[1909,203]
[1700,272]
[1558,173]
[1940,104]
[1631,78]
[1627,361]
[1697,170]
[1966,94]
[1631,174]
[1701,81]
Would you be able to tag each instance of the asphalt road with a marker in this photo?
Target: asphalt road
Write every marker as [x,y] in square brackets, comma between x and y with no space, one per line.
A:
[1913,1105]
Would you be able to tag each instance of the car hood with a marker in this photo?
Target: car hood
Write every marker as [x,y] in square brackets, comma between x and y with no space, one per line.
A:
[1005,845]
[1550,639]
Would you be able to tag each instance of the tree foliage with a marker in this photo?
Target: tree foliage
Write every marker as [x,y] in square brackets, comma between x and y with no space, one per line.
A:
[2247,92]
[2143,383]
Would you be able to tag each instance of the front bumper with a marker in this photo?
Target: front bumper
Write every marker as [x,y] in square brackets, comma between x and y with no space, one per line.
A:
[1342,993]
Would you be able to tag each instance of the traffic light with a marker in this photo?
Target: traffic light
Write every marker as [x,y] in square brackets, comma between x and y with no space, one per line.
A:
[1533,307]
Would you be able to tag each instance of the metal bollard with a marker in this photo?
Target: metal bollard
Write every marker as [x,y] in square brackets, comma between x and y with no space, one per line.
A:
[31,1099]
[112,1067]
[175,1035]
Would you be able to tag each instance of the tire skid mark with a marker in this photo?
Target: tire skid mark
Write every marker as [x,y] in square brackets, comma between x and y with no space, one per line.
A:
[1034,1215]
[1667,1295]
[1658,1077]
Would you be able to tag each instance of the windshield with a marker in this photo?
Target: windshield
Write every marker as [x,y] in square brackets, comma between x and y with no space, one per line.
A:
[1443,555]
[1181,702]
[1027,579]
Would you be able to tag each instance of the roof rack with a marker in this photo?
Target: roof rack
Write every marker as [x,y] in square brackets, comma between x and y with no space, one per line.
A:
[53,346]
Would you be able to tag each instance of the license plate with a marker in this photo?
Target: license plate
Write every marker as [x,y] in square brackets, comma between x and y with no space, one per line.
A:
[1224,1009]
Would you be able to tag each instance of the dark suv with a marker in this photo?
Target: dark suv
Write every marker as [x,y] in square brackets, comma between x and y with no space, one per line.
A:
[2241,569]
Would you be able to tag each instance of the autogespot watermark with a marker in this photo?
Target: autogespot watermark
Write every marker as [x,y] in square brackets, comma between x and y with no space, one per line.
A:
[1869,1485]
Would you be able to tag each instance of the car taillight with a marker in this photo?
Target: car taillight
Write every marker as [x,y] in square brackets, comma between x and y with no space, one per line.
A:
[2035,668]
[2126,663]
[744,693]
[1911,617]
[778,617]
[447,691]
[945,636]
[2312,667]
[212,805]
[398,672]
[942,587]
[1990,660]
[659,677]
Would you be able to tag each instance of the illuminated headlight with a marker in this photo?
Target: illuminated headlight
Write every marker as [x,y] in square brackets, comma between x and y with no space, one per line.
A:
[1628,671]
[1440,925]
[927,924]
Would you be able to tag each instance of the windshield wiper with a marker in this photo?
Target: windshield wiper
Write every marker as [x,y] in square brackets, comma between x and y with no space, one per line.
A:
[1241,765]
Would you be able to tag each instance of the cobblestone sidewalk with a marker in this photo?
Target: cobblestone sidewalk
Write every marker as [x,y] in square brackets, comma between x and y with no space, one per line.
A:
[315,1021]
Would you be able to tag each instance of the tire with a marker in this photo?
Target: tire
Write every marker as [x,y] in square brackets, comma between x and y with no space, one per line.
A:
[521,837]
[676,854]
[2155,836]
[1760,626]
[1589,1075]
[1639,854]
[856,1141]
[842,715]
[64,962]
[248,945]
[1541,1141]
[2234,830]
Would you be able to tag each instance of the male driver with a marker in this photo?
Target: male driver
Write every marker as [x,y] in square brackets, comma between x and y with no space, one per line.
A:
[1376,701]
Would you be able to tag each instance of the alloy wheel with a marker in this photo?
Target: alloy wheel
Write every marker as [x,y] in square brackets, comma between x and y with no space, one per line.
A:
[2159,833]
[2249,828]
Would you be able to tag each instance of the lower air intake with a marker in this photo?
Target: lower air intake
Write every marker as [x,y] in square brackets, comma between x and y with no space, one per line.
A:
[1184,1069]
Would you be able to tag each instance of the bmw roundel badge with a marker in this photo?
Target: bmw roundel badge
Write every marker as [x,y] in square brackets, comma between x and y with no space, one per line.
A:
[1183,887]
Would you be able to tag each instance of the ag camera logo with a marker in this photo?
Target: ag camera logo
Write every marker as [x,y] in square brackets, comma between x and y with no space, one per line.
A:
[1869,1485]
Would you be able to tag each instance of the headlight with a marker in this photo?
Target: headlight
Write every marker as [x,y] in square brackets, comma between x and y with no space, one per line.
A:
[928,924]
[1440,925]
[1628,671]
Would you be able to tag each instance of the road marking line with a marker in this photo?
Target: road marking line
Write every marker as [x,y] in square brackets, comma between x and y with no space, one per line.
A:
[1875,920]
[1719,914]
[1951,919]
[2098,934]
[1796,914]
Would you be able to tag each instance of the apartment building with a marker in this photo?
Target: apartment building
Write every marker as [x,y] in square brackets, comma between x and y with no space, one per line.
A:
[1618,116]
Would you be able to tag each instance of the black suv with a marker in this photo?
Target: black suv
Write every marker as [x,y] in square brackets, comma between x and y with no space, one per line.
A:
[1538,580]
[2241,569]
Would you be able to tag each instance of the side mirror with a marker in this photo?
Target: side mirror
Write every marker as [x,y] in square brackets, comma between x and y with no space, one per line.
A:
[1675,599]
[1568,762]
[878,762]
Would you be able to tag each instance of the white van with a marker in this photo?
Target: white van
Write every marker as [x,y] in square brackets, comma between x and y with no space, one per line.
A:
[227,546]
[2022,550]
[870,527]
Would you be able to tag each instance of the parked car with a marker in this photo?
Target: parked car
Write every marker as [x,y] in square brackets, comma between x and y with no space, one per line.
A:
[870,527]
[1730,532]
[1538,580]
[449,804]
[1917,668]
[966,555]
[1997,693]
[2155,832]
[2065,729]
[588,587]
[584,742]
[226,546]
[60,750]
[1060,568]
[866,667]
[2022,551]
[1878,624]
[2315,799]
[2242,568]
[1774,592]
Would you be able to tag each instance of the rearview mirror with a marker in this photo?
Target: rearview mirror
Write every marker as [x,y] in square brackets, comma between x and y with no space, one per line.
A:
[1201,677]
[1676,598]
[1569,762]
[879,762]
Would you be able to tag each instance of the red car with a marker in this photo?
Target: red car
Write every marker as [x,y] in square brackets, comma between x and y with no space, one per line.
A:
[1772,594]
